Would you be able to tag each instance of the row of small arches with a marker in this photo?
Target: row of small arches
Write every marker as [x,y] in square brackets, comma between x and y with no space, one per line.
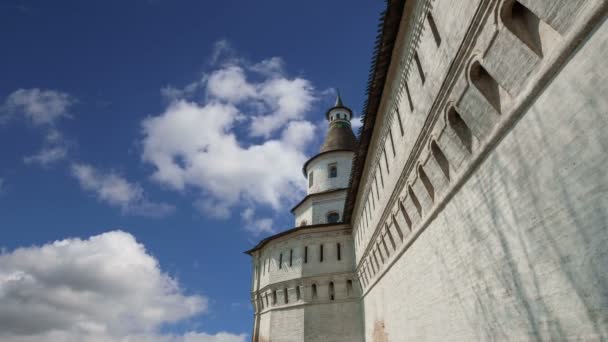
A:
[523,24]
[272,297]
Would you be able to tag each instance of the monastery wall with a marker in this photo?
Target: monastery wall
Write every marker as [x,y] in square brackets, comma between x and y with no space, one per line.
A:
[481,213]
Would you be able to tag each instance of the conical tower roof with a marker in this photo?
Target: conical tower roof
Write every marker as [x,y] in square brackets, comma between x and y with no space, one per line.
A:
[340,136]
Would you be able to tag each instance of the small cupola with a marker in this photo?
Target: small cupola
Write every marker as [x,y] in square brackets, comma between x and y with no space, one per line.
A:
[339,112]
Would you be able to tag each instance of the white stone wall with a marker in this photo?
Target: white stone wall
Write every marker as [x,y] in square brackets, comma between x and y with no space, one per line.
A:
[298,314]
[497,231]
[316,208]
[319,166]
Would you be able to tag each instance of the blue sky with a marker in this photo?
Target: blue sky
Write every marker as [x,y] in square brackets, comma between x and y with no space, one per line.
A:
[171,130]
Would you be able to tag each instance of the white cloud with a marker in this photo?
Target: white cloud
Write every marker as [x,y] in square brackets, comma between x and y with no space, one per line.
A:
[356,123]
[47,155]
[257,226]
[40,106]
[270,67]
[229,84]
[243,140]
[117,191]
[195,145]
[105,288]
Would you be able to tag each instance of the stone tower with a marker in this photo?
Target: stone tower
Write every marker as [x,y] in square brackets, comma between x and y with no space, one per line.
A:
[304,287]
[328,172]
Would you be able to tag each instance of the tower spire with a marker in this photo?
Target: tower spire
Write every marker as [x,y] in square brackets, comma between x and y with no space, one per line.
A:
[338,99]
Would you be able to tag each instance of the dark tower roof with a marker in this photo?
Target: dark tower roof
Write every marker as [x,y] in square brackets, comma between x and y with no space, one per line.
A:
[340,136]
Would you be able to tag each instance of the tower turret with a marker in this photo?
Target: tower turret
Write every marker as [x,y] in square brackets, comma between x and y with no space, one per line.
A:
[328,172]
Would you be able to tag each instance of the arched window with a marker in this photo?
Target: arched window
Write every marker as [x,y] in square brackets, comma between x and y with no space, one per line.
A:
[460,128]
[332,170]
[314,291]
[274,297]
[333,217]
[285,295]
[298,292]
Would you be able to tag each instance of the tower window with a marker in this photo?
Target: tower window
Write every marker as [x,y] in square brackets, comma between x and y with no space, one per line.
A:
[274,297]
[332,170]
[333,217]
[290,257]
[331,291]
[338,251]
[280,260]
[305,254]
[310,179]
[298,295]
[321,253]
[314,291]
[286,295]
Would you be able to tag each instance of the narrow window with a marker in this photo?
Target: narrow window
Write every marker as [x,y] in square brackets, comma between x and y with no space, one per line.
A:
[333,171]
[415,200]
[388,171]
[461,129]
[419,66]
[267,302]
[280,260]
[321,253]
[305,254]
[310,179]
[486,85]
[388,253]
[444,165]
[524,24]
[314,291]
[409,97]
[331,291]
[373,200]
[376,260]
[286,295]
[274,297]
[390,135]
[349,287]
[333,217]
[399,119]
[338,251]
[264,267]
[426,182]
[380,252]
[377,188]
[298,295]
[433,27]
[390,237]
[397,228]
[290,257]
[381,177]
[405,216]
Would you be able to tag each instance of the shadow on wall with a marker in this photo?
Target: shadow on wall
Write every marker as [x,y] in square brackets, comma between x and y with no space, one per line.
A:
[540,263]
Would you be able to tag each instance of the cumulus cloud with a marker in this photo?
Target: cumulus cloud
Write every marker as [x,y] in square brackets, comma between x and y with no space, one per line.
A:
[117,191]
[39,106]
[105,288]
[257,226]
[195,145]
[356,122]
